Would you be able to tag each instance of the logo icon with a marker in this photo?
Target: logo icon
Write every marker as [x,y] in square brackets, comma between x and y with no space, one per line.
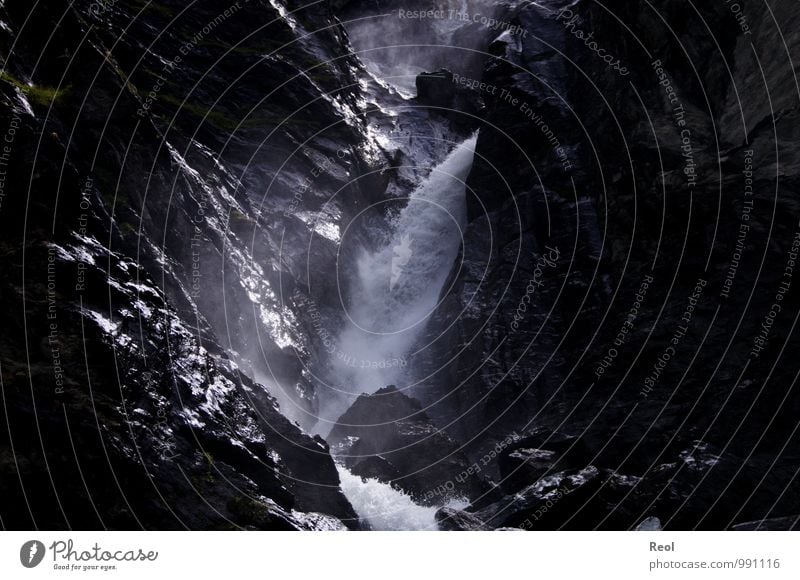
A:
[401,254]
[31,553]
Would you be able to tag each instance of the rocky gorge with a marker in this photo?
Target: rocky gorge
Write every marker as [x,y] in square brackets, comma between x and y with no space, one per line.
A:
[454,265]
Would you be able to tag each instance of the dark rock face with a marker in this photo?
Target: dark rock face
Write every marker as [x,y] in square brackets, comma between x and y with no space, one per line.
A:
[589,497]
[159,421]
[538,455]
[639,179]
[388,436]
[451,520]
[178,208]
[139,164]
[376,467]
[173,183]
[773,524]
[440,91]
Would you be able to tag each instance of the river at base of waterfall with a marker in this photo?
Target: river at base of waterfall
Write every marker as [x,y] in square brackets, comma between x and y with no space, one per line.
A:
[385,508]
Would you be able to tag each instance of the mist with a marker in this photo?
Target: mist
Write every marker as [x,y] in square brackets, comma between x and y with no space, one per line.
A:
[397,287]
[396,45]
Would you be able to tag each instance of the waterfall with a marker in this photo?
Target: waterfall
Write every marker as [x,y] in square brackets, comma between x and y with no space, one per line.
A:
[397,287]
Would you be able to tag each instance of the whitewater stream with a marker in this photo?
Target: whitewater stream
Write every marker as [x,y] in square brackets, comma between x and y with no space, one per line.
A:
[387,509]
[383,507]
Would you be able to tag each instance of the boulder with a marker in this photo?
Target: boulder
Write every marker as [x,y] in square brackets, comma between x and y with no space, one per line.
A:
[387,435]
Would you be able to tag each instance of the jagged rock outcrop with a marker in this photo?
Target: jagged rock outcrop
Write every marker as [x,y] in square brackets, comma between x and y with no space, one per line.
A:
[642,170]
[155,166]
[441,92]
[388,436]
[174,187]
[168,170]
[452,520]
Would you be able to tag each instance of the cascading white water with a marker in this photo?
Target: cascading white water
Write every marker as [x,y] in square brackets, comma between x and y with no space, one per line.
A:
[398,286]
[383,507]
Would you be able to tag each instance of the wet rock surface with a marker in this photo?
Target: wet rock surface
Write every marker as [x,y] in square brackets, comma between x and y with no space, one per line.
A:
[170,187]
[173,208]
[387,436]
[643,203]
